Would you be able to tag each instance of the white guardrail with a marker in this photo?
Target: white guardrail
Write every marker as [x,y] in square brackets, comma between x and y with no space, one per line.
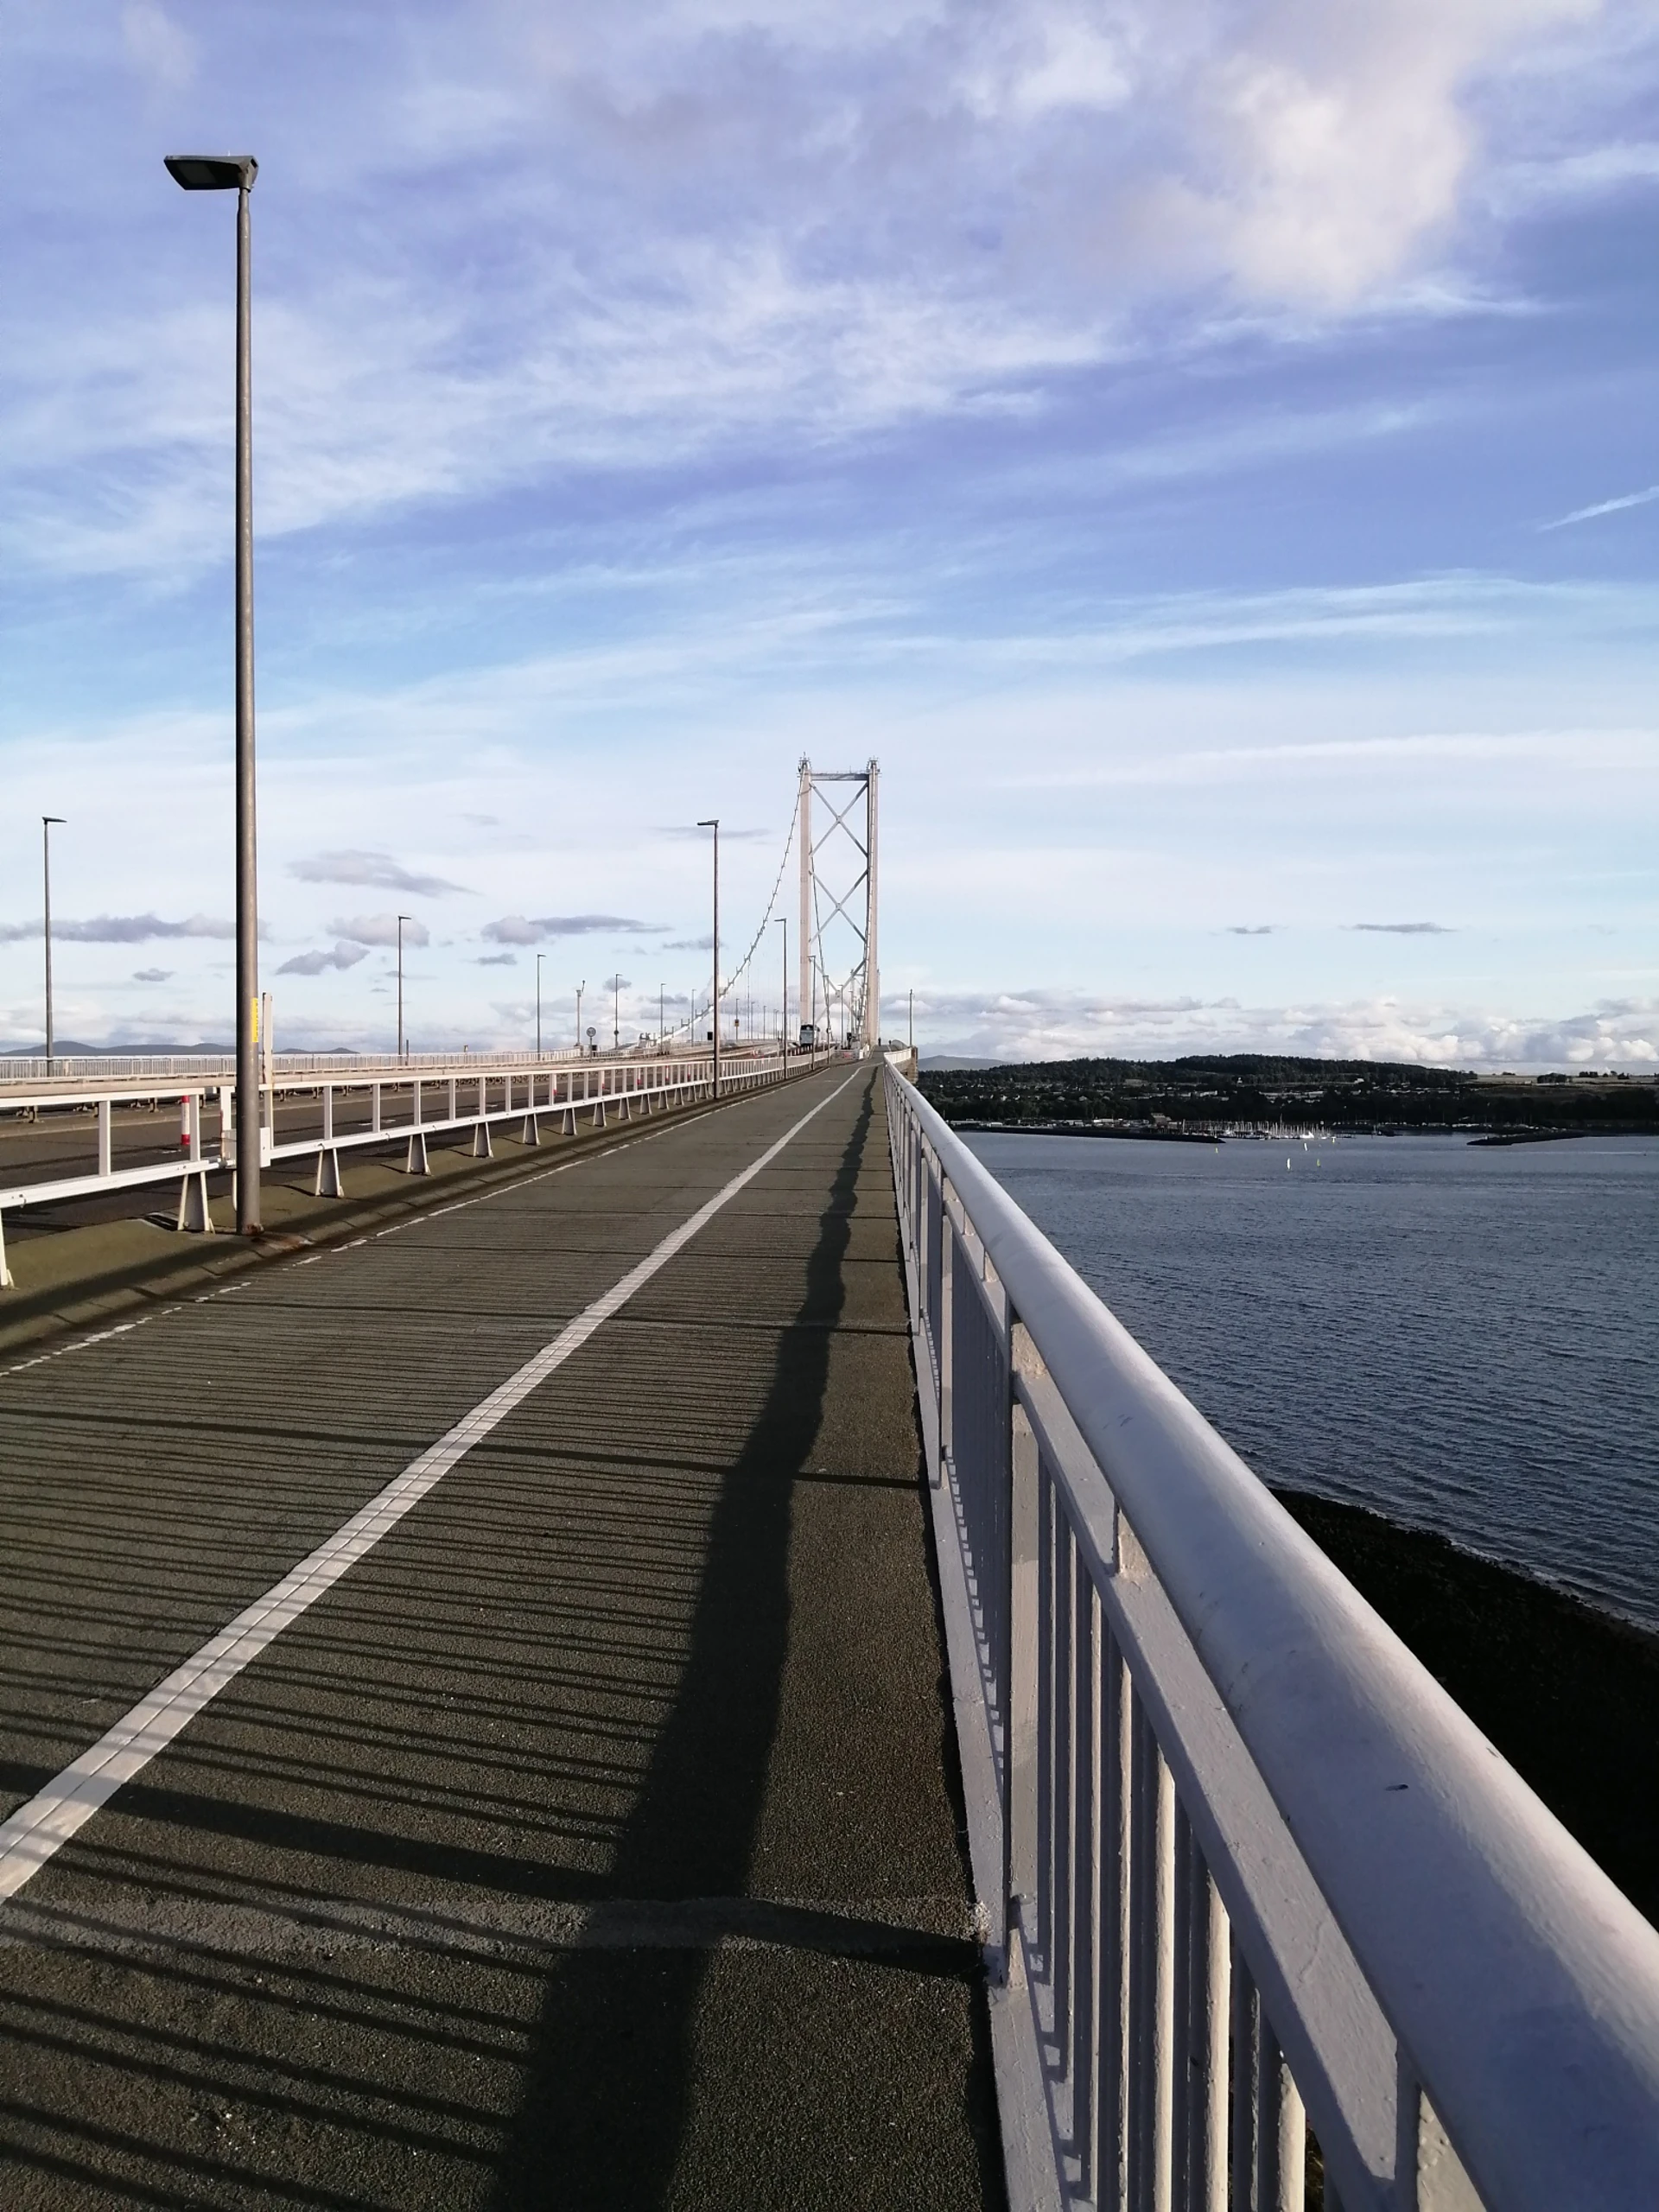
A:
[1254,1890]
[473,1097]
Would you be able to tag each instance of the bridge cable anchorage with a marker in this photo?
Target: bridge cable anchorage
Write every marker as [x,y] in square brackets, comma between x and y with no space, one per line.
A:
[38,1830]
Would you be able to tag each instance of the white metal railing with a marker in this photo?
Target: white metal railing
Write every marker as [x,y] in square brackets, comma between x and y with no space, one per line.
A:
[71,1070]
[471,1098]
[1250,1883]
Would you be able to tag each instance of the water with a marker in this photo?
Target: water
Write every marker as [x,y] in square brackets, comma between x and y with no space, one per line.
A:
[1464,1339]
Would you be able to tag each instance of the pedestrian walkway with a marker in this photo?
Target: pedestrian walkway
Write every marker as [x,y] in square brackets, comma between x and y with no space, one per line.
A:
[585,1833]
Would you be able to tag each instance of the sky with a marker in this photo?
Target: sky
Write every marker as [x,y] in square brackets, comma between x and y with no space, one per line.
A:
[1208,454]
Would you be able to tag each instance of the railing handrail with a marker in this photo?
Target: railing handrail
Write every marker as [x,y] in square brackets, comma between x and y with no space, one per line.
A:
[1522,1984]
[73,1069]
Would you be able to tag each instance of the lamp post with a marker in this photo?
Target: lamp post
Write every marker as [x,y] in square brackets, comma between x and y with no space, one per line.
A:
[713,823]
[539,958]
[47,821]
[616,1010]
[236,173]
[783,1017]
[402,1055]
[581,988]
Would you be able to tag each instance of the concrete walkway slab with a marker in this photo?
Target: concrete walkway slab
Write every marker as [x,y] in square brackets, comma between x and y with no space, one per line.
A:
[594,1841]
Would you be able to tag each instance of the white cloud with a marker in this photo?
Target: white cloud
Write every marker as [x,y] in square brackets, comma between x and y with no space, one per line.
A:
[161,52]
[1040,1024]
[315,964]
[518,929]
[379,928]
[117,929]
[377,870]
[1604,507]
[711,227]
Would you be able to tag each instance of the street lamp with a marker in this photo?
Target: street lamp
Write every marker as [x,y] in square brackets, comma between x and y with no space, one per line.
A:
[783,1017]
[581,988]
[47,821]
[539,958]
[712,824]
[616,1010]
[236,173]
[402,1055]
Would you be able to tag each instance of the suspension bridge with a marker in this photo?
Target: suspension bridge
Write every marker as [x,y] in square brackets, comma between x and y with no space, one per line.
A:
[651,1644]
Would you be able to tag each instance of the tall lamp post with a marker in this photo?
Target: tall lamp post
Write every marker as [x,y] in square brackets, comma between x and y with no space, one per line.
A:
[783,1017]
[539,958]
[616,1010]
[712,824]
[581,988]
[47,821]
[402,1053]
[236,173]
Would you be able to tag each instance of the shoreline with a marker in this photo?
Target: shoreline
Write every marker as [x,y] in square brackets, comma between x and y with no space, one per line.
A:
[1566,1693]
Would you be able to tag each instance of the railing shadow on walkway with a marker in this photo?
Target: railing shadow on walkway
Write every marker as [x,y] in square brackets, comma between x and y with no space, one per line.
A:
[606,2102]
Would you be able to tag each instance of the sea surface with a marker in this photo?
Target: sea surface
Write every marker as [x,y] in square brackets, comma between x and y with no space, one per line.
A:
[1462,1338]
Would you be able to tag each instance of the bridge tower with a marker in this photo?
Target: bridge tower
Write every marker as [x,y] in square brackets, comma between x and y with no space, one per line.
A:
[840,970]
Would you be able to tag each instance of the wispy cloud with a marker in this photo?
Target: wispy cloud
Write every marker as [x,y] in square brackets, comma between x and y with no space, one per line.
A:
[1604,507]
[118,929]
[690,945]
[496,960]
[518,929]
[377,870]
[715,227]
[1251,929]
[380,928]
[314,964]
[152,974]
[1404,929]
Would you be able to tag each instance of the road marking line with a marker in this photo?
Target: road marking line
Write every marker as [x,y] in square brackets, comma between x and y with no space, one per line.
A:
[36,1831]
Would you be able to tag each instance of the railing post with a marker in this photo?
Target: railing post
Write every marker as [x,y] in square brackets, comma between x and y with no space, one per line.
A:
[942,1344]
[1020,1749]
[105,1162]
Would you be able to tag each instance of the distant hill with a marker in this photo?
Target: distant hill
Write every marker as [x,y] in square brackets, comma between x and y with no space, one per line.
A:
[1253,1089]
[70,1048]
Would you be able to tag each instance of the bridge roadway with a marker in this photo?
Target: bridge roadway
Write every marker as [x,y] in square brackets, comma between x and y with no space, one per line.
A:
[591,1839]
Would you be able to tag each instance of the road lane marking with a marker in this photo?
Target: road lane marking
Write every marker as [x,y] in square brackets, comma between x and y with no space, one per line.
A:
[36,1831]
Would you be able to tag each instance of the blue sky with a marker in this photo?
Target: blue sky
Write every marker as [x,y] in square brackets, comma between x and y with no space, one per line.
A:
[1209,453]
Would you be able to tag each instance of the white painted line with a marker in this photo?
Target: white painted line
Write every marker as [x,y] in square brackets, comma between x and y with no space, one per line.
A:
[38,1829]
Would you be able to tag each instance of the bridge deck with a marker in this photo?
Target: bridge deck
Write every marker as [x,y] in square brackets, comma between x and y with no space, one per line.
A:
[592,1840]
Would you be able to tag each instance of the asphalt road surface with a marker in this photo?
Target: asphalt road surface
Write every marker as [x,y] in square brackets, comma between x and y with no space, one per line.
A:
[581,1830]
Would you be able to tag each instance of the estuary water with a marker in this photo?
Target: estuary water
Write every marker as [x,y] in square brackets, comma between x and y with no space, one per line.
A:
[1462,1338]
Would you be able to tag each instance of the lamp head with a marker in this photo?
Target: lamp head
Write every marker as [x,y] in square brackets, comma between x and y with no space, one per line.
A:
[213,172]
